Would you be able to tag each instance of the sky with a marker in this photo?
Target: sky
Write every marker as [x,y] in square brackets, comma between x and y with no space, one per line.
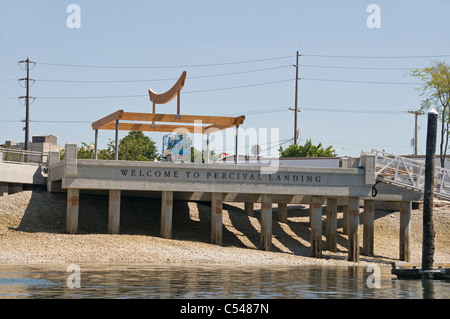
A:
[354,92]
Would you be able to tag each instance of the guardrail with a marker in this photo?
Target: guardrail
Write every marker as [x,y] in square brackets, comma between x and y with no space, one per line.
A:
[15,156]
[409,173]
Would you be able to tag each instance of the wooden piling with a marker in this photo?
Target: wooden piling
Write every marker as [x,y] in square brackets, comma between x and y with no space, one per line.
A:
[216,218]
[166,214]
[316,226]
[353,224]
[282,212]
[331,226]
[248,207]
[3,188]
[114,211]
[428,233]
[368,228]
[405,218]
[266,222]
[345,219]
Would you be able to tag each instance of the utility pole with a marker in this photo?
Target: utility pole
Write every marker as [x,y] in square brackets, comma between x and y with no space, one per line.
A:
[296,101]
[416,114]
[27,101]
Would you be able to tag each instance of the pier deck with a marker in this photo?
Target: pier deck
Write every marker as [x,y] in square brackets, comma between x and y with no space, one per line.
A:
[218,183]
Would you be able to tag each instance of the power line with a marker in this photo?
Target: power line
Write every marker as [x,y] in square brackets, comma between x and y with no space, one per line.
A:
[144,95]
[254,112]
[352,111]
[163,67]
[376,57]
[164,79]
[361,82]
[355,67]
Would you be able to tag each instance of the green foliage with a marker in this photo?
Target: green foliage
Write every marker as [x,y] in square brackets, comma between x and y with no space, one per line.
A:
[137,147]
[436,90]
[200,156]
[84,152]
[436,87]
[307,150]
[133,147]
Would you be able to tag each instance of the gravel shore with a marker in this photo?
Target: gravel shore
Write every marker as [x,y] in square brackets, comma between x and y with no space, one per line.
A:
[32,230]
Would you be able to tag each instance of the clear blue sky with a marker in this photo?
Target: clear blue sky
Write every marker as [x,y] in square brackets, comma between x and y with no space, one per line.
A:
[201,37]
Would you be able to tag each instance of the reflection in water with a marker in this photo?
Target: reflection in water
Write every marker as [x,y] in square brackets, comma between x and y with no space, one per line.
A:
[210,281]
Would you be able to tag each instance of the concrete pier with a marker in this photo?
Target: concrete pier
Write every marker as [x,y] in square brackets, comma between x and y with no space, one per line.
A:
[266,222]
[166,214]
[73,199]
[344,186]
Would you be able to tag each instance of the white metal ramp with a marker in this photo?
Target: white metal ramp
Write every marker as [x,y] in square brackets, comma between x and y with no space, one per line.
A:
[409,174]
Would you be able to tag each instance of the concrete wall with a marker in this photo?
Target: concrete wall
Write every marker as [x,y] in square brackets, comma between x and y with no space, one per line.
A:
[21,174]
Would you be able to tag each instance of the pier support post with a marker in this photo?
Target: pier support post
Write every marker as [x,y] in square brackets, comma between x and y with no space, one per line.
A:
[405,218]
[316,226]
[331,227]
[216,218]
[15,188]
[73,199]
[248,207]
[166,214]
[3,189]
[345,219]
[266,222]
[114,211]
[282,212]
[368,229]
[353,224]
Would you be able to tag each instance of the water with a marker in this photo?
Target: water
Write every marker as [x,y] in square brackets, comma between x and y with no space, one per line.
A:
[210,282]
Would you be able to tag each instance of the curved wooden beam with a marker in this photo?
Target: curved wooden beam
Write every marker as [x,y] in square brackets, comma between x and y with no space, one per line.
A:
[169,95]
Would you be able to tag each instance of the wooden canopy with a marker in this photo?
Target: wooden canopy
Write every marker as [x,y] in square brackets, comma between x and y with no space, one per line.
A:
[130,121]
[154,122]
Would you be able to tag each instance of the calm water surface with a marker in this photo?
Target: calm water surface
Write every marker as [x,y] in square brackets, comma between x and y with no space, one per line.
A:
[210,281]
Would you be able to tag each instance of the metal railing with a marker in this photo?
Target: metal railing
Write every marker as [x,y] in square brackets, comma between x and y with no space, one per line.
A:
[410,173]
[16,156]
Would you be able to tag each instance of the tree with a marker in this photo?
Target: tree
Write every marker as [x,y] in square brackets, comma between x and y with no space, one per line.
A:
[137,147]
[436,90]
[200,156]
[84,152]
[133,147]
[307,150]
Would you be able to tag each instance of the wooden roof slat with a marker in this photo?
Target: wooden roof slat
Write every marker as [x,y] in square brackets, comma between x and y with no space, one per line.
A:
[206,122]
[107,119]
[173,118]
[155,127]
